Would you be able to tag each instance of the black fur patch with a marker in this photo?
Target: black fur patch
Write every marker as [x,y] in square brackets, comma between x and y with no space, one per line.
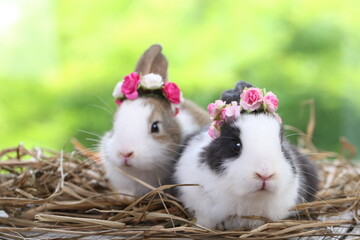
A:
[241,85]
[308,175]
[301,165]
[230,95]
[234,94]
[222,148]
[287,154]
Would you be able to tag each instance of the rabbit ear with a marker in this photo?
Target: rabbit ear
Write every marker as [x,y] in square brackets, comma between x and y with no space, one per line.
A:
[160,66]
[230,95]
[146,60]
[241,85]
[234,94]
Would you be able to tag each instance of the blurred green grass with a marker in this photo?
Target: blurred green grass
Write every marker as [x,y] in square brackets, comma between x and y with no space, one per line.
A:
[59,61]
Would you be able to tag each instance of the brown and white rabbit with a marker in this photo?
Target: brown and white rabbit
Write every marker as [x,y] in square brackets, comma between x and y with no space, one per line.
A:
[147,134]
[250,169]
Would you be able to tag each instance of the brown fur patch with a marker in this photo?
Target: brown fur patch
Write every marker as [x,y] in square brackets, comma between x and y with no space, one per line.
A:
[200,115]
[146,60]
[169,127]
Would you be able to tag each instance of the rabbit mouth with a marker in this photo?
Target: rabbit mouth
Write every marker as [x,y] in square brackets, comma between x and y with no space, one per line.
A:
[126,162]
[264,186]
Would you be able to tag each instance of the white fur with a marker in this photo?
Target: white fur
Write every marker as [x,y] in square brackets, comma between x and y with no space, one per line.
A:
[150,162]
[187,123]
[221,199]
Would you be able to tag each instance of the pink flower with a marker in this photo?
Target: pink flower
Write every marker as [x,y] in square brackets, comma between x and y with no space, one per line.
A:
[213,110]
[223,113]
[251,99]
[219,103]
[218,123]
[232,110]
[130,85]
[278,117]
[118,102]
[177,110]
[172,92]
[213,132]
[271,102]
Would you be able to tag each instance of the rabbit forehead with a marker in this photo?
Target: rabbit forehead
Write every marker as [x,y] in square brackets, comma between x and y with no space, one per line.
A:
[132,118]
[259,130]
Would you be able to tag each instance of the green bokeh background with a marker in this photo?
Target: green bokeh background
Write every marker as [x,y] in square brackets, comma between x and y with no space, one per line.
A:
[59,60]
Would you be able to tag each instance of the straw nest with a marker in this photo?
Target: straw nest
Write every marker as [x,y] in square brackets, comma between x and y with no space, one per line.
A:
[66,193]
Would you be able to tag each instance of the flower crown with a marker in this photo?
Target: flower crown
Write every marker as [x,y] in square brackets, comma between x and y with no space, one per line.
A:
[134,85]
[251,100]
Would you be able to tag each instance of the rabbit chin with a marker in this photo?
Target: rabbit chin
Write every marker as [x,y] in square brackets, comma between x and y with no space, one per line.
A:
[229,210]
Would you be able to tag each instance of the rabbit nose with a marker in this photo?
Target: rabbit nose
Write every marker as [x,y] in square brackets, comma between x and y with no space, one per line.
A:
[264,177]
[126,154]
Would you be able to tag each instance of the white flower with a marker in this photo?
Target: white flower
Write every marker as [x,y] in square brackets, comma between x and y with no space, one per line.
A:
[117,93]
[151,81]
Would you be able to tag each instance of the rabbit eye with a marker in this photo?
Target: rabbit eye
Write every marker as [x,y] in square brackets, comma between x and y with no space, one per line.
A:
[237,147]
[155,127]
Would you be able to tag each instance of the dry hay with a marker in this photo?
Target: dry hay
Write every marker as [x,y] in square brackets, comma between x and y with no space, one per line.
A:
[46,191]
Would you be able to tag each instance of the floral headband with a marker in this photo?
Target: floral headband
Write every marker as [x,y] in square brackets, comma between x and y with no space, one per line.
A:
[251,100]
[134,85]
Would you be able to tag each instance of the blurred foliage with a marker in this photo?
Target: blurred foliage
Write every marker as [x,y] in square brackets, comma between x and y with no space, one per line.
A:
[59,60]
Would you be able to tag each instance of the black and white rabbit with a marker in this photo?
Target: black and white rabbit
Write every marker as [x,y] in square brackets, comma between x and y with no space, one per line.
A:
[147,134]
[249,170]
